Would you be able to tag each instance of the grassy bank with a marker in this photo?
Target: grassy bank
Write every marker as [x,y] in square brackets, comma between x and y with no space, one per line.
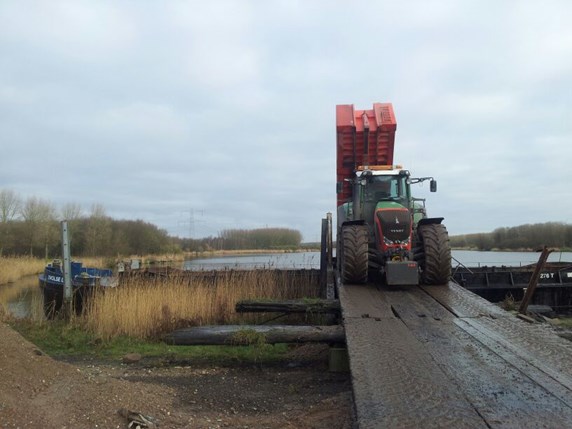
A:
[65,339]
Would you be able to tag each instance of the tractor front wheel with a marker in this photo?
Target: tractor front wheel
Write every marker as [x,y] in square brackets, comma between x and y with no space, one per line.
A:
[433,254]
[354,254]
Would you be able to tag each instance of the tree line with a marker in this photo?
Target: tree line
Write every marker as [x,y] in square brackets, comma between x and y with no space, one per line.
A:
[523,237]
[262,238]
[32,227]
[245,239]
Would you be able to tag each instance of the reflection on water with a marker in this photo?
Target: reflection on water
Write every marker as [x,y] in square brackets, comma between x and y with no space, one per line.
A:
[23,298]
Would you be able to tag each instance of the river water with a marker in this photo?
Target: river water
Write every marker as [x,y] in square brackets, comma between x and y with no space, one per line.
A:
[23,298]
[301,260]
[298,260]
[472,258]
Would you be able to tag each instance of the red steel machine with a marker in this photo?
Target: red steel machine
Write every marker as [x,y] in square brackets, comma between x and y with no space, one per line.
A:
[382,229]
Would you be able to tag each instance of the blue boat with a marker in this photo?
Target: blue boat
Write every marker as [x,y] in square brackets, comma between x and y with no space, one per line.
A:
[84,281]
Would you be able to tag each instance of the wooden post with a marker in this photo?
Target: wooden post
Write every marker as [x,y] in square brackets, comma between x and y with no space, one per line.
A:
[534,280]
[329,238]
[324,258]
[338,360]
[330,288]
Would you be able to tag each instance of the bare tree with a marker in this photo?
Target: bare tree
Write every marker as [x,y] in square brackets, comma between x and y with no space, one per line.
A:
[71,212]
[98,232]
[40,224]
[10,204]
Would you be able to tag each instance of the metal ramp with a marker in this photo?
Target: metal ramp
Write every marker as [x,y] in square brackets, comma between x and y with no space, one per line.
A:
[442,357]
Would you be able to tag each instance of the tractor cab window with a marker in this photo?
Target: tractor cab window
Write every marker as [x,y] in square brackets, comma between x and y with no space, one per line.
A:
[384,188]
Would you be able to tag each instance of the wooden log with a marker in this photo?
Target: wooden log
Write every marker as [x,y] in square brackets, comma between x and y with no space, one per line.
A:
[290,306]
[257,334]
[525,318]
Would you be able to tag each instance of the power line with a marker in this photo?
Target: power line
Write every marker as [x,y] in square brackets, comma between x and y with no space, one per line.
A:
[192,221]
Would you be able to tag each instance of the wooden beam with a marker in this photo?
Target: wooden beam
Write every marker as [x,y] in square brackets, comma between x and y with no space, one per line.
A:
[246,334]
[534,280]
[290,306]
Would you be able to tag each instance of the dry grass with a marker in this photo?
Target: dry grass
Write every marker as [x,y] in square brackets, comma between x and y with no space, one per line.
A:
[15,268]
[97,262]
[12,269]
[143,309]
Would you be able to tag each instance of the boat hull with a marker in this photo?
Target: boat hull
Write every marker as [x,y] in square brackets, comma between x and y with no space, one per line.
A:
[53,295]
[495,284]
[85,281]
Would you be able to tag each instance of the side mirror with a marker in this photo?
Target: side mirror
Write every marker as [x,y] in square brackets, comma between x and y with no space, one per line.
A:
[433,185]
[339,187]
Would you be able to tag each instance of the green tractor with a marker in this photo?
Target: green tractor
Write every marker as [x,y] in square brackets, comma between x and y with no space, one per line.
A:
[383,231]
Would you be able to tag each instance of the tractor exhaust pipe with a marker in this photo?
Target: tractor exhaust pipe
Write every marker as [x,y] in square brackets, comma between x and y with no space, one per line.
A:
[357,211]
[356,194]
[365,162]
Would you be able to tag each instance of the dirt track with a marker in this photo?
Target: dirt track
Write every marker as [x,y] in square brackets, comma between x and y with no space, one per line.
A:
[38,391]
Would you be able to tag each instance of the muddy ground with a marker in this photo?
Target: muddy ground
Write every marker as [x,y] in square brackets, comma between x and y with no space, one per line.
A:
[38,391]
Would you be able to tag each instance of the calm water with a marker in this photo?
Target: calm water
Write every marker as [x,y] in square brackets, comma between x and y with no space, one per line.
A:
[472,258]
[274,260]
[312,260]
[24,299]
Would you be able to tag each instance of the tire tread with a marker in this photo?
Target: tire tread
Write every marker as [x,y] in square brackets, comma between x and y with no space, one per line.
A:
[436,255]
[355,254]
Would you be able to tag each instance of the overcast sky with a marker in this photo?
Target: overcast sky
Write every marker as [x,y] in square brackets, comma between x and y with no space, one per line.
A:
[199,116]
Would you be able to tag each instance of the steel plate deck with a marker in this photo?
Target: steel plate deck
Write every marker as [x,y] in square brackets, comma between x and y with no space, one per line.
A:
[440,356]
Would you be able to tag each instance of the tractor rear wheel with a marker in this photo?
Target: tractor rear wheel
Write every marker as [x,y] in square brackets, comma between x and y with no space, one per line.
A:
[354,257]
[433,254]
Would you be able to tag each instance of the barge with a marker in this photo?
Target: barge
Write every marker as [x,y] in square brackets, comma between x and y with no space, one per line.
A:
[496,283]
[84,281]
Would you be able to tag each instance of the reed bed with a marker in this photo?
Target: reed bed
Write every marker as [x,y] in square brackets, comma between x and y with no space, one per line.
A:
[146,309]
[14,268]
[95,261]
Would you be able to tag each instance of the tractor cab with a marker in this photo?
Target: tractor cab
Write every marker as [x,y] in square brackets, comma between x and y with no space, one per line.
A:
[382,201]
[382,189]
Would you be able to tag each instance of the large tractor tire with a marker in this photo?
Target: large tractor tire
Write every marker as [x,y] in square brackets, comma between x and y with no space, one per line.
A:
[354,257]
[433,254]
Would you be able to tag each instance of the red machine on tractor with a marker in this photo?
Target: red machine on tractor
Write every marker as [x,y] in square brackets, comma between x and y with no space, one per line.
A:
[382,229]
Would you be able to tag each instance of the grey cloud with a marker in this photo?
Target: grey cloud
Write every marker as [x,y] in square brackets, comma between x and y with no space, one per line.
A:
[227,108]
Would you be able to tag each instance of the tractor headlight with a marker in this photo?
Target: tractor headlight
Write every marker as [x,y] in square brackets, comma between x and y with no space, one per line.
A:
[403,242]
